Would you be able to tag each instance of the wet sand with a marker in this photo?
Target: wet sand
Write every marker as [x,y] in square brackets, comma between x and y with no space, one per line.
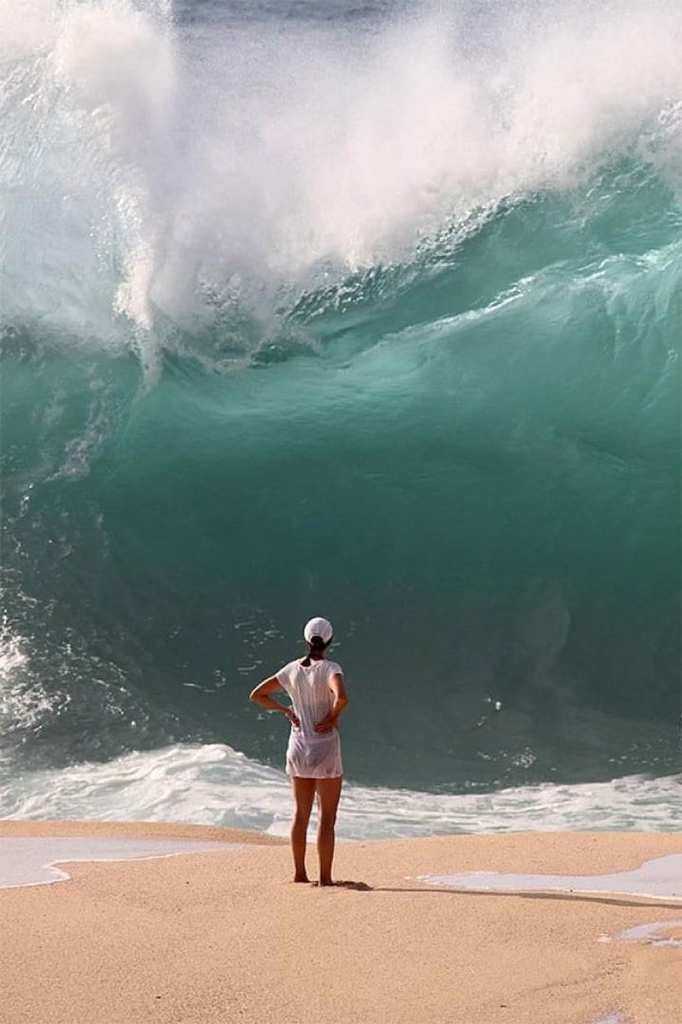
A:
[211,938]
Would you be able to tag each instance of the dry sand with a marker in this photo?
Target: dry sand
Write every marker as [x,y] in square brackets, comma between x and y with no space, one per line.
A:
[226,937]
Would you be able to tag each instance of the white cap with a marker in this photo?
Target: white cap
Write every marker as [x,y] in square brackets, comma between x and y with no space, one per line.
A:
[318,627]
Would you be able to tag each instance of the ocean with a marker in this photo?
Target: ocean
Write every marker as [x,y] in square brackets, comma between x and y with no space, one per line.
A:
[369,310]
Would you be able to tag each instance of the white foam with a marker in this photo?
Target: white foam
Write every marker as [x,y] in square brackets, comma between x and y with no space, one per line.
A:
[170,165]
[649,934]
[214,784]
[659,879]
[32,860]
[23,700]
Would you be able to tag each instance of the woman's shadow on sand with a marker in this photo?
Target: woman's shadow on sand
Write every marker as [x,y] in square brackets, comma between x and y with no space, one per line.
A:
[575,897]
[358,886]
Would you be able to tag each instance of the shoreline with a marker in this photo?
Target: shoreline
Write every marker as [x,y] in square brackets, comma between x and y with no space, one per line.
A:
[189,939]
[135,829]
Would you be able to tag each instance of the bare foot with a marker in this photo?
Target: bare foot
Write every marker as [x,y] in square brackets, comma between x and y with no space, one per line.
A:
[301,878]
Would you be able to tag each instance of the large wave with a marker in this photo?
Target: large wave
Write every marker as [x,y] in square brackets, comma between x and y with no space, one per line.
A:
[375,318]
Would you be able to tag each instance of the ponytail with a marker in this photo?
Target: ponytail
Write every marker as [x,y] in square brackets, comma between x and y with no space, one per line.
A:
[315,644]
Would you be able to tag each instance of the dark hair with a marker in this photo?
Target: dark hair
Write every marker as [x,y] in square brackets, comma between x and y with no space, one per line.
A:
[316,644]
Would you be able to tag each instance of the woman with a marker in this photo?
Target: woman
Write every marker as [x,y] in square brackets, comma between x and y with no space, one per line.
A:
[318,696]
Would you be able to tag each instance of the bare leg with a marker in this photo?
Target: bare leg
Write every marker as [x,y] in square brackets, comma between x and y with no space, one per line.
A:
[328,793]
[304,794]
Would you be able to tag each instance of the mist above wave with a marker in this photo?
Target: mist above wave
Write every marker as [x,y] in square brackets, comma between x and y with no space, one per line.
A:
[184,171]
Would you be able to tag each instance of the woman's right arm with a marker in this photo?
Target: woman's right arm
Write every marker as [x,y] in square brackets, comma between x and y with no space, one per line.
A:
[261,695]
[338,689]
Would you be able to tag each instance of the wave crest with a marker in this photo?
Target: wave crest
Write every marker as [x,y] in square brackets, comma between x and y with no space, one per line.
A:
[170,166]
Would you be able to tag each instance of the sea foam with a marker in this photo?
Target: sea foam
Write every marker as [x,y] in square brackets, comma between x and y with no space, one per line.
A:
[178,165]
[216,785]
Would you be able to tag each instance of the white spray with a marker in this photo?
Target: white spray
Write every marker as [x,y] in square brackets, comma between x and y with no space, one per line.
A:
[149,170]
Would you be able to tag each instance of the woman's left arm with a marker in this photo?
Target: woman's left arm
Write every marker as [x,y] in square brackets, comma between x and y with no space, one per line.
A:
[338,688]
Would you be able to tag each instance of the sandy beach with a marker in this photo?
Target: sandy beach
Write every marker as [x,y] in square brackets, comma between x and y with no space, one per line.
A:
[225,936]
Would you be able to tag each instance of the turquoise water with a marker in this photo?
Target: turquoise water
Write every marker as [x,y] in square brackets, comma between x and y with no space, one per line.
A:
[372,333]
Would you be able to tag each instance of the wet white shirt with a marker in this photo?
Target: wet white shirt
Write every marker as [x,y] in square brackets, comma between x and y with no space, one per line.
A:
[310,754]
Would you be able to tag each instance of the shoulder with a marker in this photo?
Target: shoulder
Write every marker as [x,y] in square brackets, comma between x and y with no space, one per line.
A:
[333,668]
[288,670]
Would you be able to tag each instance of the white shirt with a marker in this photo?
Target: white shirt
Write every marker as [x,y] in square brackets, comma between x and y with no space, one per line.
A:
[311,754]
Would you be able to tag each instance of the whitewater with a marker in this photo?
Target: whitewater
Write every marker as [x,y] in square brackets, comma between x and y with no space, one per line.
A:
[370,312]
